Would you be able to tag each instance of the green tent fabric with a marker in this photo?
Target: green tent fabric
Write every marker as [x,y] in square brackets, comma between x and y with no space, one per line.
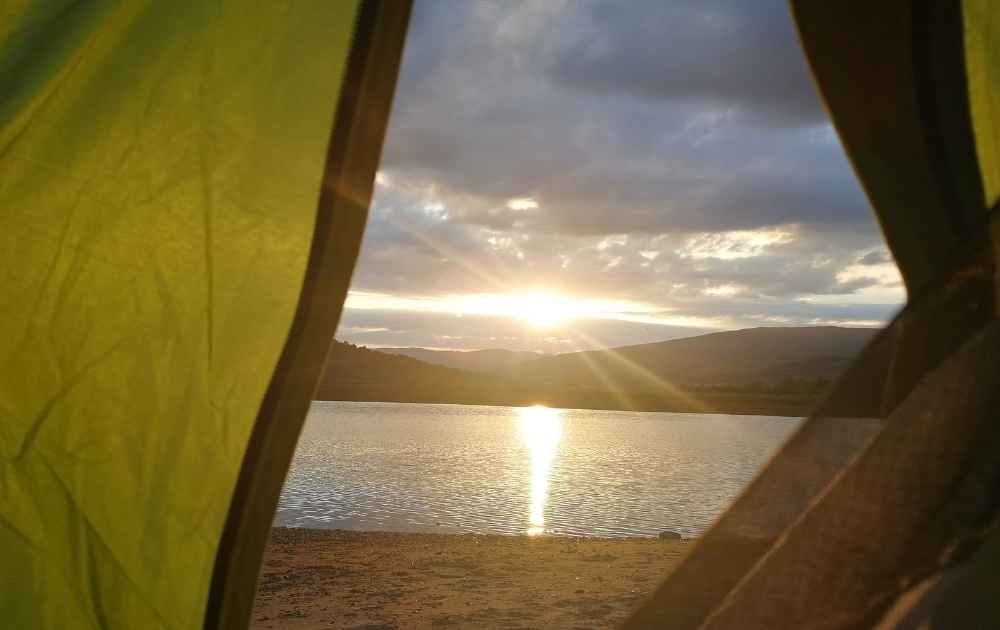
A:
[166,172]
[982,50]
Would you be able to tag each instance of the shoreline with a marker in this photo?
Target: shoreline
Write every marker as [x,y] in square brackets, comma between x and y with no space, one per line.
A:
[554,406]
[330,578]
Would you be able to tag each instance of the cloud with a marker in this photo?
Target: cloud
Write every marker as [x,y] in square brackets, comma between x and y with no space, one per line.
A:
[486,111]
[729,58]
[670,154]
[735,244]
[521,204]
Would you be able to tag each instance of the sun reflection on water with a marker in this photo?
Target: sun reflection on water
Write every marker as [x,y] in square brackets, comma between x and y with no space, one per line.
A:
[541,429]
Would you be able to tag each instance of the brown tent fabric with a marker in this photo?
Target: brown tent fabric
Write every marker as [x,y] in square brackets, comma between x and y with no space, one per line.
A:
[895,480]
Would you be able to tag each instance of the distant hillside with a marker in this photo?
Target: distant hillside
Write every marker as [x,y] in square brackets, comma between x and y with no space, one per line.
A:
[489,361]
[770,371]
[357,373]
[739,357]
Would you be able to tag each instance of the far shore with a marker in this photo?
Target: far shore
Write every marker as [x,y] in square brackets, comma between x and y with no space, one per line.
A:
[380,580]
[771,407]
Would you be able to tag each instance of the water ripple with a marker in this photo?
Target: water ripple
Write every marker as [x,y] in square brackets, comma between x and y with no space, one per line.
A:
[507,470]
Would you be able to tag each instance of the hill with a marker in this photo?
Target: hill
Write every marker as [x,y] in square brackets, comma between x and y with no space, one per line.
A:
[770,371]
[761,356]
[357,373]
[488,361]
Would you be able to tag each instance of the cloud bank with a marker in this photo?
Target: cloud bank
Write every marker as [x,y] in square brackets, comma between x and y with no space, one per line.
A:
[668,154]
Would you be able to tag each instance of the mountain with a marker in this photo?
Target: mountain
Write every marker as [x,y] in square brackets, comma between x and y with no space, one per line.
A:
[739,357]
[488,361]
[770,371]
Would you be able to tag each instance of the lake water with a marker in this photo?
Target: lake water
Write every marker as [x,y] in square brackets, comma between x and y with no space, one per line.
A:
[517,470]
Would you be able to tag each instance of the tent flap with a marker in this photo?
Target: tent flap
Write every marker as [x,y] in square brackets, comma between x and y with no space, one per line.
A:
[160,168]
[982,34]
[890,486]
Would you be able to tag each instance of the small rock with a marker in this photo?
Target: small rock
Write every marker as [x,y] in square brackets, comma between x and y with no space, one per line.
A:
[669,535]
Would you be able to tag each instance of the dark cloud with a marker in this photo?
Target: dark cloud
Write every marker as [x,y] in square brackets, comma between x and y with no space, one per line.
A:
[501,100]
[876,257]
[738,56]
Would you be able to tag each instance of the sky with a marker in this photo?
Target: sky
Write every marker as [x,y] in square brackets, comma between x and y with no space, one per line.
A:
[569,174]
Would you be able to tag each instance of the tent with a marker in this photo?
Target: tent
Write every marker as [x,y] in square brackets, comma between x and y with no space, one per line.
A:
[184,188]
[888,496]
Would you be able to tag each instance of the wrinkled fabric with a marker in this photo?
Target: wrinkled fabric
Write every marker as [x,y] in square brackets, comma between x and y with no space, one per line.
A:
[982,53]
[160,165]
[883,508]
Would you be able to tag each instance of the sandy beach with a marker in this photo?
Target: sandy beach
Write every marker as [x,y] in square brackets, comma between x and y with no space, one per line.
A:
[376,580]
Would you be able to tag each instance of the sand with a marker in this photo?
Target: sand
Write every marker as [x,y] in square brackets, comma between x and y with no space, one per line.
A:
[376,580]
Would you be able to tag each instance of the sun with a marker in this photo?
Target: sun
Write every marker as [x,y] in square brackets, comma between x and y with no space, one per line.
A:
[540,310]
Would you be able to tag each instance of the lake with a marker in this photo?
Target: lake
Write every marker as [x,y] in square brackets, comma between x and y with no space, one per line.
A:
[521,470]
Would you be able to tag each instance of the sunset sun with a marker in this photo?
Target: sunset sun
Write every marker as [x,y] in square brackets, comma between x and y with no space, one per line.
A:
[540,310]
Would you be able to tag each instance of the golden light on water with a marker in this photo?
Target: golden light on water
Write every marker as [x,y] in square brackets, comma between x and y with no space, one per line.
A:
[541,429]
